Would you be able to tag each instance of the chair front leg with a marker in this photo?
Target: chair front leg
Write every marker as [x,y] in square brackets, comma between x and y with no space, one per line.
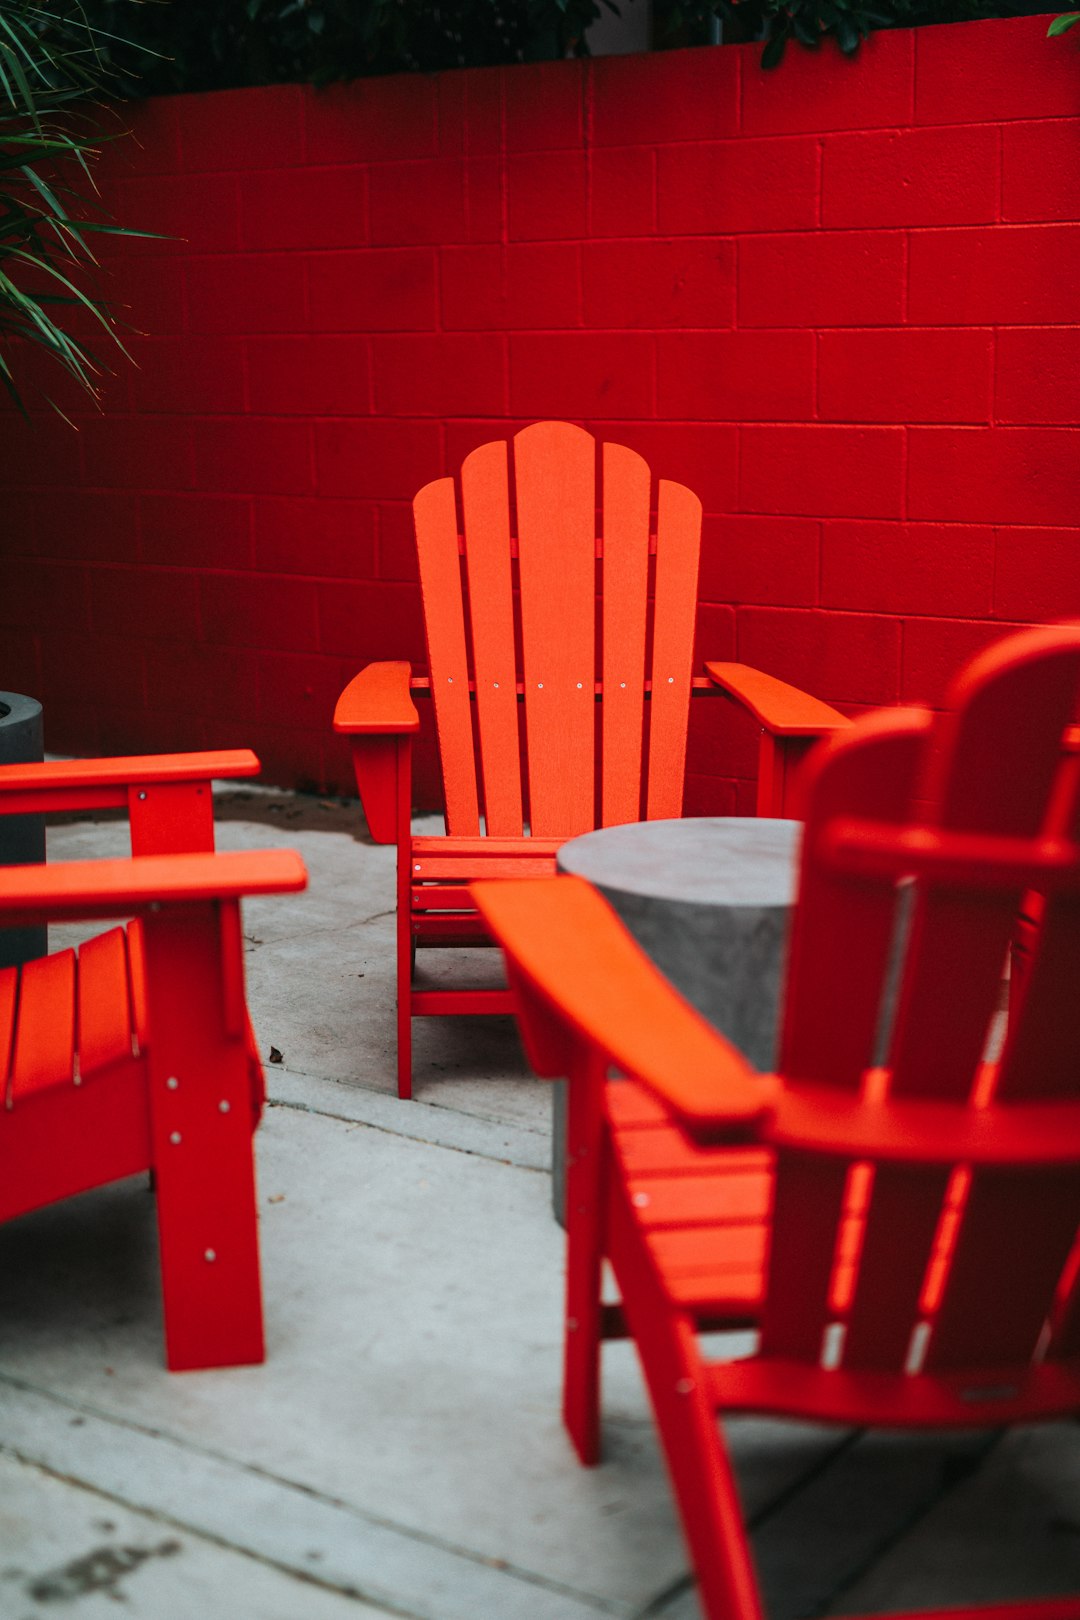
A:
[586,1147]
[201,1140]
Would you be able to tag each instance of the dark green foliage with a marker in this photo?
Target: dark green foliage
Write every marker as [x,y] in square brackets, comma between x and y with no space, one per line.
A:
[812,22]
[50,72]
[214,44]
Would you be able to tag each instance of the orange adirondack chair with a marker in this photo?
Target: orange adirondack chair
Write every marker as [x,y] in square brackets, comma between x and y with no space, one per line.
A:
[903,1239]
[135,1052]
[530,755]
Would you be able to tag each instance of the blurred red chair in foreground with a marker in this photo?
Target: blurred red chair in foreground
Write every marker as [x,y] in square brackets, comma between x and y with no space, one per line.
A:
[560,670]
[903,1239]
[135,1052]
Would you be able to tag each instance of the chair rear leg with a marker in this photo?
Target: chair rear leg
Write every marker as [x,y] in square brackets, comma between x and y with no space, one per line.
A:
[201,1131]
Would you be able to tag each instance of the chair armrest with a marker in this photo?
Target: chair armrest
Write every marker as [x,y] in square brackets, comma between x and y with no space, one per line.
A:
[377,702]
[76,890]
[783,710]
[583,966]
[81,784]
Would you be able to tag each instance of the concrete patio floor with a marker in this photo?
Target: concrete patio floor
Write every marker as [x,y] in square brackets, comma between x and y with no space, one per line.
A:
[400,1452]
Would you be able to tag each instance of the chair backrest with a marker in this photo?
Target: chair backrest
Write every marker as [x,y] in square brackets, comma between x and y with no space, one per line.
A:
[926,1209]
[519,653]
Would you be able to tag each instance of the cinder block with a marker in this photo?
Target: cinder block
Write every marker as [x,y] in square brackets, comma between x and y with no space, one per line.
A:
[366,622]
[1010,71]
[822,90]
[47,596]
[740,185]
[575,374]
[545,106]
[396,542]
[418,202]
[470,113]
[660,283]
[546,196]
[88,525]
[723,738]
[817,471]
[139,452]
[714,633]
[370,120]
[111,669]
[253,610]
[1038,375]
[376,459]
[44,452]
[523,286]
[151,604]
[309,376]
[841,278]
[1005,275]
[382,290]
[304,208]
[188,374]
[841,657]
[911,177]
[768,561]
[993,475]
[1038,574]
[926,568]
[204,680]
[299,689]
[192,214]
[622,191]
[152,145]
[147,293]
[448,374]
[241,129]
[251,292]
[701,456]
[199,531]
[315,536]
[935,650]
[907,375]
[253,455]
[743,376]
[1039,178]
[677,96]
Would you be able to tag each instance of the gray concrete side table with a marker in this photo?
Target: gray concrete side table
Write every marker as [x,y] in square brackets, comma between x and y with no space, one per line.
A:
[708,899]
[22,838]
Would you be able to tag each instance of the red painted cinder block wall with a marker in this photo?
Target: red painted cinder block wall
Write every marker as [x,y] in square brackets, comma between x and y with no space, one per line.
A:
[842,301]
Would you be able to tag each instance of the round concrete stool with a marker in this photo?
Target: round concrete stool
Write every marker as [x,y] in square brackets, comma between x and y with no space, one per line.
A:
[22,838]
[708,899]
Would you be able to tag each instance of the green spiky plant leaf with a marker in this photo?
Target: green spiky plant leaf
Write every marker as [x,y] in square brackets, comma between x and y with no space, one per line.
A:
[54,71]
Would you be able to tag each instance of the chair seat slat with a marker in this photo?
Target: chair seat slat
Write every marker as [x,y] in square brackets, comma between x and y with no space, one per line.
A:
[104,1012]
[45,1034]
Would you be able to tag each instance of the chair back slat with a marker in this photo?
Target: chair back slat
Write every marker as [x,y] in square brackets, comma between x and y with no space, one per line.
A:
[944,1267]
[678,545]
[486,506]
[555,481]
[435,515]
[625,574]
[960,940]
[1015,1235]
[842,932]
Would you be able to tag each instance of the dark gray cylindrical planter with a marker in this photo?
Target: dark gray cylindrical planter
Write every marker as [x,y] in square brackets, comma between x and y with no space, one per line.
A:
[22,838]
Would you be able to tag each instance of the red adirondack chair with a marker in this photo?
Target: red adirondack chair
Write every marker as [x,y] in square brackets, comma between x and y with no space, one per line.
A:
[135,1053]
[903,1239]
[530,756]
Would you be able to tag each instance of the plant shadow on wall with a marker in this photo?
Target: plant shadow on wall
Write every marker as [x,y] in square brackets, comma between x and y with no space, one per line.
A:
[53,74]
[218,44]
